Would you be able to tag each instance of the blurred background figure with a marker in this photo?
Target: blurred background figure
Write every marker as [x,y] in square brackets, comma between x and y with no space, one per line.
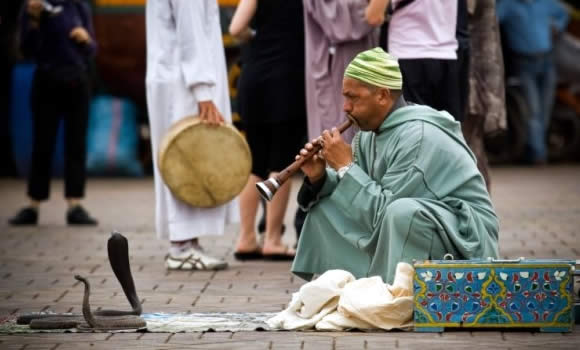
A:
[271,102]
[486,99]
[335,32]
[186,75]
[528,28]
[9,55]
[422,35]
[463,56]
[59,36]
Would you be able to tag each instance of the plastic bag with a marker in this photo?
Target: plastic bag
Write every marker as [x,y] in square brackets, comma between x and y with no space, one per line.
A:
[113,138]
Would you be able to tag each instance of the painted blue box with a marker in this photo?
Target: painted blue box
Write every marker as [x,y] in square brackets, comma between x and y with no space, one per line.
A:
[492,293]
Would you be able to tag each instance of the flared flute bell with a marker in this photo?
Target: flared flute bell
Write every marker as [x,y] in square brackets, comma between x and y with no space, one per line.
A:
[268,188]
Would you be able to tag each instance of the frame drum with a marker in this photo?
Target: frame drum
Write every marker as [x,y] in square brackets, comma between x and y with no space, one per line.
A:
[204,166]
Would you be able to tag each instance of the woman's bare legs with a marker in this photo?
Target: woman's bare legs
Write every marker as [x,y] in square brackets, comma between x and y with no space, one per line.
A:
[249,201]
[275,211]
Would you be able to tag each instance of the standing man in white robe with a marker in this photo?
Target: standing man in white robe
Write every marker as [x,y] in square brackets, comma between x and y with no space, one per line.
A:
[186,75]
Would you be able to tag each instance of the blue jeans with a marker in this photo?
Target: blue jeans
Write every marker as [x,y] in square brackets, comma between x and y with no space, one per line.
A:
[538,77]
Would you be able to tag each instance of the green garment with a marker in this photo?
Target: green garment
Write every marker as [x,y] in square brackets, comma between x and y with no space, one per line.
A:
[414,192]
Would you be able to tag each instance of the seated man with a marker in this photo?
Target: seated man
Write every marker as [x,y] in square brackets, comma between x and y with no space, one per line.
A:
[408,187]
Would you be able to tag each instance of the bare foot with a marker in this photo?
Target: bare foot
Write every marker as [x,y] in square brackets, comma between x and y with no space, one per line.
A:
[245,245]
[278,250]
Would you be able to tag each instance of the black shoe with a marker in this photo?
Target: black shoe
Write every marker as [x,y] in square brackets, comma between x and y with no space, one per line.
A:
[26,216]
[77,215]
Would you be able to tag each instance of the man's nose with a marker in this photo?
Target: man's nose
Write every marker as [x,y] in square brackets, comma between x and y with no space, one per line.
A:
[347,106]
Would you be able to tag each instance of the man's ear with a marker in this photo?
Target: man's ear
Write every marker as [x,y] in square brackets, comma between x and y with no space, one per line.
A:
[385,95]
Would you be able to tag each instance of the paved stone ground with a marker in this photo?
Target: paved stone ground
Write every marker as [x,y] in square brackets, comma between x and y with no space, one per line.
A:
[540,217]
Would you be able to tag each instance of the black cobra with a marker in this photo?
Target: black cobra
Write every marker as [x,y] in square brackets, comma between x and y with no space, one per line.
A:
[118,251]
[128,321]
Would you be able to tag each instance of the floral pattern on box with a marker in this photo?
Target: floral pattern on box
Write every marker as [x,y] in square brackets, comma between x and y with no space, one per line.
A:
[493,295]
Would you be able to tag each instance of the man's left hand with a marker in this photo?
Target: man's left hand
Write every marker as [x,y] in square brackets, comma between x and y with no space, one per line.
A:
[335,151]
[80,35]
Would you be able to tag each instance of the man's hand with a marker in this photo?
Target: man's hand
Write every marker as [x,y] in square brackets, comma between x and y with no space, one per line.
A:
[80,35]
[374,19]
[34,8]
[335,151]
[208,113]
[375,12]
[315,166]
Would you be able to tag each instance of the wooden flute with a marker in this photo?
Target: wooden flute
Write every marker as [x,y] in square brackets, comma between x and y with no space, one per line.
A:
[269,187]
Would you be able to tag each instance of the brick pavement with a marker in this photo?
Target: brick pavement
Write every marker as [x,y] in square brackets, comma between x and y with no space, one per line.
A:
[540,218]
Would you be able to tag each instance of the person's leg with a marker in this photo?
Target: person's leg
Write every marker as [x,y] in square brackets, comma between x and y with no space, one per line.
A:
[547,89]
[176,221]
[449,94]
[249,201]
[46,118]
[259,141]
[409,231]
[288,138]
[463,63]
[76,120]
[76,116]
[329,240]
[527,74]
[276,209]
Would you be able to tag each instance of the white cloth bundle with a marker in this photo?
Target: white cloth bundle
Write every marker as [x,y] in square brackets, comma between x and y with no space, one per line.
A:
[337,301]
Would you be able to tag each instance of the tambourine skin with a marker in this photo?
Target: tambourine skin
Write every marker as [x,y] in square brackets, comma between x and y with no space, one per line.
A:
[204,166]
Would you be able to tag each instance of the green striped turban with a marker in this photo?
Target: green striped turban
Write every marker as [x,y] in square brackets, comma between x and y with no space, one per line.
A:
[376,67]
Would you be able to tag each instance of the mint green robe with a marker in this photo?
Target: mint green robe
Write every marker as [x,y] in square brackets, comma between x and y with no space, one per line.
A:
[414,192]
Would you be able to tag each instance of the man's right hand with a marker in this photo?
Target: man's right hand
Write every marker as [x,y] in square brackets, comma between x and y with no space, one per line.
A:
[34,8]
[80,35]
[315,166]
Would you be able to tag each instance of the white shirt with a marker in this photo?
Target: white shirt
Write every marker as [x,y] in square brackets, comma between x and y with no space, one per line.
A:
[424,29]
